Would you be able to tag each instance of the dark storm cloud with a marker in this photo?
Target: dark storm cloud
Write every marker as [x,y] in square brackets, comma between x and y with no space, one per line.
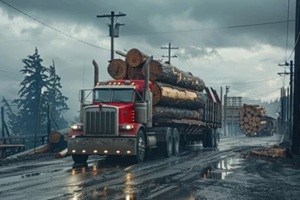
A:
[212,35]
[139,24]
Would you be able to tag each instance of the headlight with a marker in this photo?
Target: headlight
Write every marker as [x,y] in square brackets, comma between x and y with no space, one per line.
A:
[77,127]
[126,126]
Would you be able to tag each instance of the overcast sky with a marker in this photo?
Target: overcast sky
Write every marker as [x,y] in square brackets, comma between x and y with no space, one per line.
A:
[224,42]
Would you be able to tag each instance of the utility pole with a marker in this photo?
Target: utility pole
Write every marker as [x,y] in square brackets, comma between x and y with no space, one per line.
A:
[113,27]
[169,52]
[291,97]
[221,95]
[225,109]
[296,96]
[2,122]
[290,103]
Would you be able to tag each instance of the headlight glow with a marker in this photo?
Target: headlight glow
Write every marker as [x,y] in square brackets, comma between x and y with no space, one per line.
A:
[77,127]
[126,126]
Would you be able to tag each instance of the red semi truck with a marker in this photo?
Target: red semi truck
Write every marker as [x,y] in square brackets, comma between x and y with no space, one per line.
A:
[120,121]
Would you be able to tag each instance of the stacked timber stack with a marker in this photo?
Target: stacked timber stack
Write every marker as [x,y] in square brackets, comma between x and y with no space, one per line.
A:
[176,94]
[252,119]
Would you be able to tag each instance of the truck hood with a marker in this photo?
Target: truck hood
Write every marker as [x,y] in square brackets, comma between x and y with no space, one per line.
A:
[126,111]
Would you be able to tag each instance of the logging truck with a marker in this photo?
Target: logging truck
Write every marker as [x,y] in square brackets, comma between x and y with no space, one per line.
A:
[123,119]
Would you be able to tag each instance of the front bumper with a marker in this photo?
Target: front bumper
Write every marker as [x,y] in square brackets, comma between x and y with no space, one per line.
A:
[102,146]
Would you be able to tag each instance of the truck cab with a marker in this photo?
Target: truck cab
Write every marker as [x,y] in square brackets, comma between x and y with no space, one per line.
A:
[110,124]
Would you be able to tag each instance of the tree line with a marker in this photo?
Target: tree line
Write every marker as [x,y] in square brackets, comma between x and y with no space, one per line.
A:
[40,103]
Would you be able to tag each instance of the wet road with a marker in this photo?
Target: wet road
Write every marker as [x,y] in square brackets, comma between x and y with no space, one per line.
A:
[194,174]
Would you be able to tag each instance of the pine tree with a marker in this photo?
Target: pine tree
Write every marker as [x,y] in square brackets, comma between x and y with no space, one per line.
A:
[55,100]
[40,90]
[30,100]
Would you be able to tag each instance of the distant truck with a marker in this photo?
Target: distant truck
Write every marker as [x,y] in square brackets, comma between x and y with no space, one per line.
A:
[122,119]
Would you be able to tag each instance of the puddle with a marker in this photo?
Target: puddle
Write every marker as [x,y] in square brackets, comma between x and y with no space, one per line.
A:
[40,173]
[223,168]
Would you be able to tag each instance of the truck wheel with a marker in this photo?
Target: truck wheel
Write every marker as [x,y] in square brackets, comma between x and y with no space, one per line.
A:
[168,145]
[204,140]
[80,158]
[140,146]
[176,141]
[216,139]
[208,140]
[182,144]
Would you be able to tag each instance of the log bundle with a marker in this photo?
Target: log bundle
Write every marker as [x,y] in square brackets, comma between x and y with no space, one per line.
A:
[176,94]
[166,94]
[167,73]
[166,112]
[252,119]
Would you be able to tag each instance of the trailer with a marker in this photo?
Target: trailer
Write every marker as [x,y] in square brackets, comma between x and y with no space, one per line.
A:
[122,120]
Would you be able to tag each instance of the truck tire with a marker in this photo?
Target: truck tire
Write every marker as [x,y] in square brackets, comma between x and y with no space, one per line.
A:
[216,139]
[204,141]
[140,146]
[176,141]
[80,158]
[167,147]
[208,140]
[183,145]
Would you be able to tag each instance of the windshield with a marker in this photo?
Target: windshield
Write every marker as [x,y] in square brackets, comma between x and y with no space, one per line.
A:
[113,95]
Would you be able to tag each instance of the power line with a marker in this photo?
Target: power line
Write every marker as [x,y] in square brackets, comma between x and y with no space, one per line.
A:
[297,40]
[51,27]
[149,33]
[258,81]
[264,93]
[249,82]
[217,28]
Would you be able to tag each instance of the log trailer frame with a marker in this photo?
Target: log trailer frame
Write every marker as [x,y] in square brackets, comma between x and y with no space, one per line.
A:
[119,122]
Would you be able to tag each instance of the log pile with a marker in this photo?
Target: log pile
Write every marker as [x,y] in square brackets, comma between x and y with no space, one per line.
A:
[170,86]
[274,152]
[252,119]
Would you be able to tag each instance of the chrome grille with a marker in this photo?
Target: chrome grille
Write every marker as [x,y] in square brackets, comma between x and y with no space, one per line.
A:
[101,122]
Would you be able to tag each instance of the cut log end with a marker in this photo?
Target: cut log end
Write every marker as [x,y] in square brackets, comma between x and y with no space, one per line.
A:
[155,70]
[134,57]
[117,69]
[135,73]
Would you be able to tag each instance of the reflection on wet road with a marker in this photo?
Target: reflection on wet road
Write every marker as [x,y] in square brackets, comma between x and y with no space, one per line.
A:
[50,178]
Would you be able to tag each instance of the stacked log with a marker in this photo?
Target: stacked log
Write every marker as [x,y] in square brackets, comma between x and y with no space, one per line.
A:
[135,57]
[166,94]
[167,73]
[252,119]
[166,112]
[117,69]
[176,94]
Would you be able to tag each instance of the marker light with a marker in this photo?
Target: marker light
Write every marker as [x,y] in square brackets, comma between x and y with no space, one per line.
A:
[105,151]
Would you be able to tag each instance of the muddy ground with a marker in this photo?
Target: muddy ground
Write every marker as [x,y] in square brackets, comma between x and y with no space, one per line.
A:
[227,172]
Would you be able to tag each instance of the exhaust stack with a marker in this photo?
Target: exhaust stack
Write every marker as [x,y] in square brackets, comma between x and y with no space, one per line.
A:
[96,73]
[147,92]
